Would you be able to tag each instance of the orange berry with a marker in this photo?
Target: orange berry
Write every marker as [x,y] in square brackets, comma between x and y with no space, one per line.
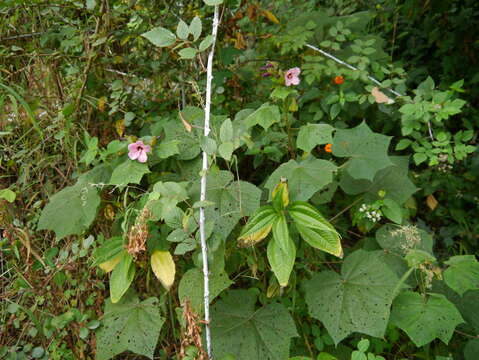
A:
[338,80]
[328,148]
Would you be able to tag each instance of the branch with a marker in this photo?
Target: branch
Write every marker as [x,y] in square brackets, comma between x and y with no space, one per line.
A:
[204,249]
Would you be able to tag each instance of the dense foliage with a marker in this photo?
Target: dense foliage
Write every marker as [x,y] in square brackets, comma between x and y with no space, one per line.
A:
[341,195]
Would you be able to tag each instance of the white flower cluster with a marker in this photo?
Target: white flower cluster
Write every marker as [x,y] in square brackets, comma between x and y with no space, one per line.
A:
[372,215]
[443,166]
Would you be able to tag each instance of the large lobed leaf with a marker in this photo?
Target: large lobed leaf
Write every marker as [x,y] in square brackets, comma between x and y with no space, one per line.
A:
[358,300]
[368,151]
[247,333]
[129,325]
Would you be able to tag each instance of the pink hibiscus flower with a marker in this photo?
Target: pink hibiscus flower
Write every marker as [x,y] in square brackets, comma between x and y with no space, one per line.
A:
[291,77]
[138,150]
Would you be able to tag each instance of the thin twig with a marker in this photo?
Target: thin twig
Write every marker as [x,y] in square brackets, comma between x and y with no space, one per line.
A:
[204,249]
[351,67]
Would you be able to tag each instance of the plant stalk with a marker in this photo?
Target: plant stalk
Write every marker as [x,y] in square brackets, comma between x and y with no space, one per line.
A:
[204,248]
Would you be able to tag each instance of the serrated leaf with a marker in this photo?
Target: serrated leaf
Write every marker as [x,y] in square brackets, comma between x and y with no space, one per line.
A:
[462,274]
[128,172]
[163,267]
[160,37]
[166,149]
[195,28]
[265,116]
[191,287]
[368,151]
[393,180]
[71,211]
[249,333]
[281,254]
[182,30]
[415,257]
[425,319]
[304,178]
[392,211]
[312,135]
[358,300]
[122,277]
[129,325]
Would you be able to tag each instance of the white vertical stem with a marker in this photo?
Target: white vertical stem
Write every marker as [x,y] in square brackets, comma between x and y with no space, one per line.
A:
[204,249]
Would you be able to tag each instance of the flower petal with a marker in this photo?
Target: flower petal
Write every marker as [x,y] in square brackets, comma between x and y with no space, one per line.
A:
[133,155]
[143,157]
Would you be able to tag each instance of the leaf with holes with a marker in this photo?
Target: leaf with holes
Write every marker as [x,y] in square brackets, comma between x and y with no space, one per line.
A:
[357,300]
[191,287]
[462,274]
[425,319]
[368,151]
[305,178]
[70,211]
[249,333]
[400,239]
[129,325]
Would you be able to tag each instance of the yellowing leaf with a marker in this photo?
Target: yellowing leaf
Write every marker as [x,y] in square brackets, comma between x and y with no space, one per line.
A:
[164,268]
[380,97]
[431,202]
[270,16]
[102,103]
[109,265]
[120,127]
[255,237]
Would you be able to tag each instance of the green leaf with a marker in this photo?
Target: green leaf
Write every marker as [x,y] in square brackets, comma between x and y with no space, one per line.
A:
[226,150]
[195,28]
[304,178]
[393,180]
[208,145]
[425,319]
[71,211]
[462,274]
[248,333]
[400,239]
[358,300]
[128,172]
[266,115]
[205,43]
[471,350]
[311,135]
[129,325]
[110,249]
[233,200]
[160,37]
[191,287]
[187,53]
[392,211]
[281,255]
[122,277]
[281,232]
[8,195]
[403,143]
[368,151]
[188,142]
[415,257]
[182,30]
[166,149]
[226,131]
[213,2]
[258,226]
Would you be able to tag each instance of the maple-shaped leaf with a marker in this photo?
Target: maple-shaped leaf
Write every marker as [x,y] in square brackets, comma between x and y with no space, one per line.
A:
[129,325]
[425,318]
[247,333]
[357,300]
[393,180]
[304,178]
[368,151]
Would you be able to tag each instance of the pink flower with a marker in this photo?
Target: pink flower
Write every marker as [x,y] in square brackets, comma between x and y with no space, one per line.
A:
[138,150]
[291,77]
